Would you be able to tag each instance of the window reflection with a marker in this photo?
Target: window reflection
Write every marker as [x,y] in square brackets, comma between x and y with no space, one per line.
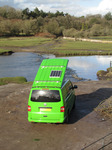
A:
[45,96]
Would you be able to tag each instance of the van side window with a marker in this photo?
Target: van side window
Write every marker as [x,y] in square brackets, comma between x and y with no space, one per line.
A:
[69,88]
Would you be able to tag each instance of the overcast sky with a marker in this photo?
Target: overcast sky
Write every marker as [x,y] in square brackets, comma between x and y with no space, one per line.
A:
[73,7]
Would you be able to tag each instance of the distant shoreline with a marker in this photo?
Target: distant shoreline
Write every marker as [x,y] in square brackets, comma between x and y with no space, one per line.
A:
[58,47]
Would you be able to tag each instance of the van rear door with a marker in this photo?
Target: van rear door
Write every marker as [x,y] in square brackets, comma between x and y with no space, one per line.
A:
[46,105]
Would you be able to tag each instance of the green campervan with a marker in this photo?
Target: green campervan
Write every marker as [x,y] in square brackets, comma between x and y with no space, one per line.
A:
[51,97]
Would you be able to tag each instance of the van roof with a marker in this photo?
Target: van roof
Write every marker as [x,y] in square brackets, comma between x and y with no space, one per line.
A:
[51,73]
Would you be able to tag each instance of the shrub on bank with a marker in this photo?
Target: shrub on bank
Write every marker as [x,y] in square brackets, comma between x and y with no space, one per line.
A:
[101,73]
[105,75]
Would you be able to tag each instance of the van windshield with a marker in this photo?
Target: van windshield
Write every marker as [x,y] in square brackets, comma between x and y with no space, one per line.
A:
[45,96]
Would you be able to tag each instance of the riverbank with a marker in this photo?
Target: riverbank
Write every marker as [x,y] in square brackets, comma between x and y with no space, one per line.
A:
[85,125]
[58,47]
[4,52]
[7,80]
[105,75]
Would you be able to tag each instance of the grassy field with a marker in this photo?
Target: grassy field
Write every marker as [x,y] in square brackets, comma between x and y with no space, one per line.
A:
[7,80]
[59,47]
[23,41]
[69,47]
[82,45]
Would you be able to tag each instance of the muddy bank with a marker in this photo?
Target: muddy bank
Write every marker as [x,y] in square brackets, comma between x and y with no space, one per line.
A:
[85,125]
[6,53]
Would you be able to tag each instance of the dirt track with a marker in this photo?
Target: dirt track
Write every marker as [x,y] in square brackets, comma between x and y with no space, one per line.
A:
[85,126]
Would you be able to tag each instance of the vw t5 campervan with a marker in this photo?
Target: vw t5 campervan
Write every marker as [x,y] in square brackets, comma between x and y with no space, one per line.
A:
[51,97]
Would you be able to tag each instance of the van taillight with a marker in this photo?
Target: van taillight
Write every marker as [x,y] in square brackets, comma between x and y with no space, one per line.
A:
[62,109]
[29,108]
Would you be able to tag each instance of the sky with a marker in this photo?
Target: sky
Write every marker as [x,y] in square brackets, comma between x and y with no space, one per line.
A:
[73,7]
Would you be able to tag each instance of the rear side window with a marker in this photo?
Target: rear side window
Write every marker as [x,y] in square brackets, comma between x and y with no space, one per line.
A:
[45,96]
[68,88]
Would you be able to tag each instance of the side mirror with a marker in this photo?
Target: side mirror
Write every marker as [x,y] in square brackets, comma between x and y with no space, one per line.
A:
[75,87]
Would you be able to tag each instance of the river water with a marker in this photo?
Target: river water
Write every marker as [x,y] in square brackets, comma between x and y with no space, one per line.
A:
[27,64]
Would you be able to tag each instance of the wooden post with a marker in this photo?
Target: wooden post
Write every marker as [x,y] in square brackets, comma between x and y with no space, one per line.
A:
[110,66]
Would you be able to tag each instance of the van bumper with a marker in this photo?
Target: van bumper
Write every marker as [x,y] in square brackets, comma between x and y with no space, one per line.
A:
[45,119]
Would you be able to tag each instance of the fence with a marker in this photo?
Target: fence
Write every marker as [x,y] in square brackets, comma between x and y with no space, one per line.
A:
[110,66]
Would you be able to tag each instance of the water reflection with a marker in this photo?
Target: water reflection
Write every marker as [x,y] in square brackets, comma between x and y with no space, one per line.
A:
[87,66]
[104,60]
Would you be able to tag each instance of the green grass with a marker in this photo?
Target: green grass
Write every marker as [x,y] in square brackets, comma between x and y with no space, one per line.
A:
[23,41]
[7,80]
[70,47]
[82,45]
[3,50]
[59,47]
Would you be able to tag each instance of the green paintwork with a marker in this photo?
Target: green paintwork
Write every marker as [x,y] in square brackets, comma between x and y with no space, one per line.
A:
[43,78]
[49,112]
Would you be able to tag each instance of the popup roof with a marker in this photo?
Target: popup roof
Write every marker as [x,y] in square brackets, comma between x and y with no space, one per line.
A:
[51,73]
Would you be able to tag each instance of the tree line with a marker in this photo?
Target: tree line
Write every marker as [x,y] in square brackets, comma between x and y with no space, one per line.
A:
[15,22]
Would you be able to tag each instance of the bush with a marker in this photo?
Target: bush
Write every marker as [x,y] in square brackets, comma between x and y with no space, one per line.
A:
[105,74]
[96,30]
[109,69]
[10,27]
[69,32]
[79,34]
[101,73]
[53,28]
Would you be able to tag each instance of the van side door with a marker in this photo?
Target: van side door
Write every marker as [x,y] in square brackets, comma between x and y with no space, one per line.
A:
[70,97]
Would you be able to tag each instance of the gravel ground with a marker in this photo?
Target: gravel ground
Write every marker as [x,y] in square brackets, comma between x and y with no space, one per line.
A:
[85,125]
